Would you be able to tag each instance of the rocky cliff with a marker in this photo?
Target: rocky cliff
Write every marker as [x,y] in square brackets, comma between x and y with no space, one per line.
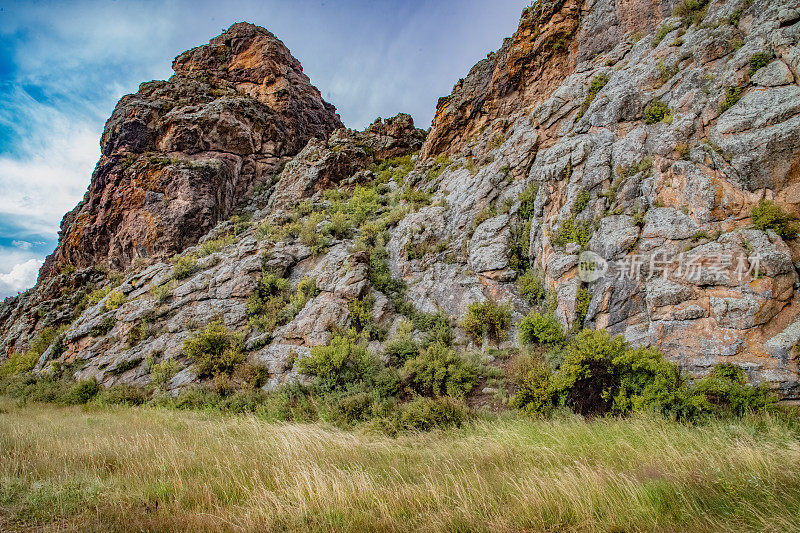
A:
[179,155]
[620,153]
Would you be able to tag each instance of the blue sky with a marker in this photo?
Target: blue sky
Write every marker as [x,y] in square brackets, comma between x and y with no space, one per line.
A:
[64,65]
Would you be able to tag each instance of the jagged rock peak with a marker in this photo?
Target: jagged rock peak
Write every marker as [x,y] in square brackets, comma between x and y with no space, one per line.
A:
[259,65]
[179,155]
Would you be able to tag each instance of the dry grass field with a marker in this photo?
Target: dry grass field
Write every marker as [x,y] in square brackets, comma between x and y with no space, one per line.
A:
[102,468]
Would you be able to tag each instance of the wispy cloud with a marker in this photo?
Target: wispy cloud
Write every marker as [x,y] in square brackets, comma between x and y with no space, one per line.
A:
[46,171]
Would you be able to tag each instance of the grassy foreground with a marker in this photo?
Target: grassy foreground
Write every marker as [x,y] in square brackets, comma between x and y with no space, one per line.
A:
[122,468]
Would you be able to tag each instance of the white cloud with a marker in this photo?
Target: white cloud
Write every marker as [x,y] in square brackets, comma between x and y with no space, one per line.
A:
[21,277]
[22,245]
[50,168]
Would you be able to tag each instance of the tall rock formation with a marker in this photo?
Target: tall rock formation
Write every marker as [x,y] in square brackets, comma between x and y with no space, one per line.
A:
[178,155]
[636,137]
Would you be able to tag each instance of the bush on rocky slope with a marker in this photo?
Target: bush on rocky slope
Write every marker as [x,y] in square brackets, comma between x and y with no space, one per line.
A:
[540,329]
[214,350]
[767,215]
[487,319]
[438,371]
[600,374]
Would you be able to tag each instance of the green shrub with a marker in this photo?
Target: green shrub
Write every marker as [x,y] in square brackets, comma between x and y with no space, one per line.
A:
[663,31]
[647,382]
[254,376]
[114,300]
[311,235]
[49,336]
[267,307]
[95,296]
[195,398]
[542,329]
[350,409]
[440,164]
[289,403]
[436,326]
[657,111]
[400,349]
[531,286]
[43,389]
[81,392]
[732,96]
[104,327]
[666,73]
[572,231]
[683,150]
[727,392]
[692,11]
[415,198]
[216,245]
[340,225]
[343,362]
[161,373]
[759,61]
[126,365]
[162,293]
[582,301]
[601,374]
[736,16]
[487,318]
[123,395]
[264,231]
[595,86]
[439,371]
[243,401]
[533,388]
[362,205]
[395,169]
[527,201]
[184,267]
[19,362]
[586,381]
[424,414]
[642,167]
[581,201]
[768,215]
[361,314]
[214,350]
[520,243]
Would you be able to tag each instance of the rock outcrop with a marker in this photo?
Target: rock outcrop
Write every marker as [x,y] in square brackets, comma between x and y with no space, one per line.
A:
[178,155]
[602,132]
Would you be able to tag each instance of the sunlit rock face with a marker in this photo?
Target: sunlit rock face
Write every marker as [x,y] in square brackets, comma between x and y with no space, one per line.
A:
[178,155]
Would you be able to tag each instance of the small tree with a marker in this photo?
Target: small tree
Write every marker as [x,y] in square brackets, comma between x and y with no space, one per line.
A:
[343,362]
[214,350]
[439,371]
[768,215]
[542,329]
[487,319]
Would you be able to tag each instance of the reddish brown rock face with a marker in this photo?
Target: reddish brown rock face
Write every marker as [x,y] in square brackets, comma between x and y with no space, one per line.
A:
[551,39]
[178,155]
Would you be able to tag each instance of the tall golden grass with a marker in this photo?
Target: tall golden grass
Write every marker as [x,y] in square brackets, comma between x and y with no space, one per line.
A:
[136,469]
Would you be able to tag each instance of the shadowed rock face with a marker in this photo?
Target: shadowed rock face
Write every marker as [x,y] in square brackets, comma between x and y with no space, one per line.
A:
[524,168]
[179,154]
